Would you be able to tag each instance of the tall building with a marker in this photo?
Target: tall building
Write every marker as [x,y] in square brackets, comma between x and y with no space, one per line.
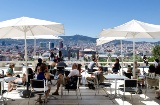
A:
[3,43]
[60,44]
[43,44]
[51,45]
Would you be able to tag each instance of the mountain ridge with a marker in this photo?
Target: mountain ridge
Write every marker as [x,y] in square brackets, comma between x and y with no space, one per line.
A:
[67,39]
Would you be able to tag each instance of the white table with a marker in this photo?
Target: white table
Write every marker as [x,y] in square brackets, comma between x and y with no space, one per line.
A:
[70,68]
[115,77]
[7,79]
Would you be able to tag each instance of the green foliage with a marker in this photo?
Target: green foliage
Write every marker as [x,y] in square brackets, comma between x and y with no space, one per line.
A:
[93,56]
[151,59]
[113,59]
[138,58]
[156,52]
[103,60]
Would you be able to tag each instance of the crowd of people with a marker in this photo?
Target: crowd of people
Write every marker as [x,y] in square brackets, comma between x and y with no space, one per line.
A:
[41,72]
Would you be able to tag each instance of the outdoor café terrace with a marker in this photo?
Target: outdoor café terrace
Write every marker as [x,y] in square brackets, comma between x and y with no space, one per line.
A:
[88,96]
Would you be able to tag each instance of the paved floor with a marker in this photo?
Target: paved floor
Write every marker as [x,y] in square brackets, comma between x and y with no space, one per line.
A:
[88,98]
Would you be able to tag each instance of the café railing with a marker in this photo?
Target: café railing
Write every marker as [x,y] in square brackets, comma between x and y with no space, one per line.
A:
[33,63]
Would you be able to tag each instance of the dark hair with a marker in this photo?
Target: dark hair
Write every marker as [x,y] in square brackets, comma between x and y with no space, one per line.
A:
[11,65]
[152,68]
[157,60]
[93,59]
[117,59]
[55,60]
[100,67]
[129,65]
[43,67]
[39,60]
[79,66]
[30,71]
[61,59]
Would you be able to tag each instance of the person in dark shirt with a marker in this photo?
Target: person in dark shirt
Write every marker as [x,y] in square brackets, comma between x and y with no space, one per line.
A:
[151,69]
[157,70]
[61,63]
[38,64]
[52,56]
[116,66]
[44,75]
[145,60]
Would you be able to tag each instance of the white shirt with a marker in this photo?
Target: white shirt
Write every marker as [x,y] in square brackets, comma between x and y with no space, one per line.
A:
[155,64]
[74,72]
[91,65]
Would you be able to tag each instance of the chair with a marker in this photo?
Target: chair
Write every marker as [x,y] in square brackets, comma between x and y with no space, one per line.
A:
[129,75]
[1,73]
[60,69]
[130,85]
[25,84]
[2,92]
[38,87]
[100,84]
[105,69]
[151,82]
[72,85]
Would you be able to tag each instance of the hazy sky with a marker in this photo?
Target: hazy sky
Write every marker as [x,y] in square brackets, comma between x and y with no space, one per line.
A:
[84,17]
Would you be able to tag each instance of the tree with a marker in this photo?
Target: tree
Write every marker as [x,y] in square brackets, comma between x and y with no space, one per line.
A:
[156,52]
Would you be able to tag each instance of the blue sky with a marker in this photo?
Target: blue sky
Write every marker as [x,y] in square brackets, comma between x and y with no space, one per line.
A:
[84,17]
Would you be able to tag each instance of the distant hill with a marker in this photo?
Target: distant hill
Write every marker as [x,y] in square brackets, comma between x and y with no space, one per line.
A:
[68,39]
[78,38]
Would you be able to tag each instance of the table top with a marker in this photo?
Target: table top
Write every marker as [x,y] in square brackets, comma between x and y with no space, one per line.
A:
[115,76]
[1,79]
[7,79]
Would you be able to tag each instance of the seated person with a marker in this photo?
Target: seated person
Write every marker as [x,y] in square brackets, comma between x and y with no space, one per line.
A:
[38,64]
[80,71]
[10,72]
[92,78]
[138,75]
[44,75]
[17,81]
[116,66]
[20,81]
[61,64]
[156,63]
[129,72]
[151,69]
[157,70]
[73,72]
[92,64]
[129,69]
[136,68]
[54,64]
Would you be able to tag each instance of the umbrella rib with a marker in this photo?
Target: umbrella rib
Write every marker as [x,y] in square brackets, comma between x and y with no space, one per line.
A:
[30,30]
[149,34]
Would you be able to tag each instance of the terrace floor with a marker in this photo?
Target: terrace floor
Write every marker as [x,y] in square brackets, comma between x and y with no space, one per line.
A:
[88,98]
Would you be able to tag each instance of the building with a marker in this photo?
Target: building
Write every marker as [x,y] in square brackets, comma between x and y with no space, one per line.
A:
[51,45]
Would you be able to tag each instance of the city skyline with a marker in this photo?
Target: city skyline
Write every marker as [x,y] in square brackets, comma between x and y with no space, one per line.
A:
[84,17]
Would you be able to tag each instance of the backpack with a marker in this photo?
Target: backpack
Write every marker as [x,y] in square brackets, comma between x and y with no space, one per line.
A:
[72,83]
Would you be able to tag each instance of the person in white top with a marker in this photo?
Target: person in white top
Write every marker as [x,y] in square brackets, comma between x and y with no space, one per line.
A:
[73,72]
